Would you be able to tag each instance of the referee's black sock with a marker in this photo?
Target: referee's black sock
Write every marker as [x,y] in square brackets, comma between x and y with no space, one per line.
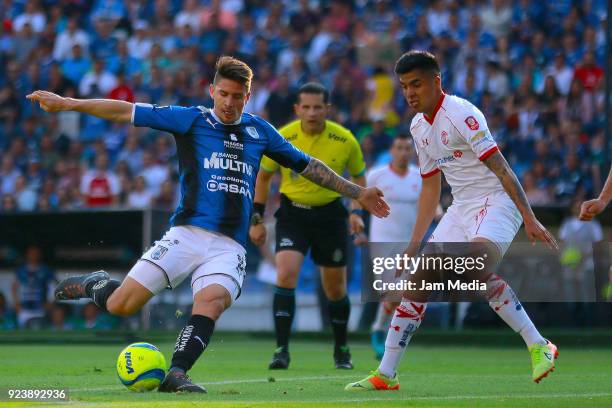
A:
[191,342]
[339,311]
[284,310]
[100,291]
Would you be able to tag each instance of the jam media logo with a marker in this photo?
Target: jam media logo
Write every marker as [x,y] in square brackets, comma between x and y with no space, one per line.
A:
[472,123]
[159,252]
[444,137]
[252,132]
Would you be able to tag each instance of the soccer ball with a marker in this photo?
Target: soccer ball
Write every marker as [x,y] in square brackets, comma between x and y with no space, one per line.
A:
[141,367]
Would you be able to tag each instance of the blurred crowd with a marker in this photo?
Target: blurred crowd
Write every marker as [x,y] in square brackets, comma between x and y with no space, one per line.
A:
[535,68]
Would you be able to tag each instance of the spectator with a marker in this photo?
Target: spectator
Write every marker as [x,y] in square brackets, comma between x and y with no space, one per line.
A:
[153,173]
[140,197]
[32,16]
[588,73]
[577,105]
[76,66]
[8,174]
[189,15]
[25,195]
[58,318]
[30,287]
[93,319]
[7,316]
[279,106]
[26,42]
[536,196]
[71,35]
[140,43]
[131,152]
[577,240]
[167,197]
[98,81]
[100,186]
[9,204]
[496,17]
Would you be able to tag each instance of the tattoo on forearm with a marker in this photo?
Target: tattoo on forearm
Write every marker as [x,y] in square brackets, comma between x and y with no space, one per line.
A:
[320,174]
[500,167]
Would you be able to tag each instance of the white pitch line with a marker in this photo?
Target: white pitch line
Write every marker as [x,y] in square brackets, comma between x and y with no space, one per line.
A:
[364,398]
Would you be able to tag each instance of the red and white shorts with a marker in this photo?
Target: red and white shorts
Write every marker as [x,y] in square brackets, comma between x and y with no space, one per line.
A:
[494,217]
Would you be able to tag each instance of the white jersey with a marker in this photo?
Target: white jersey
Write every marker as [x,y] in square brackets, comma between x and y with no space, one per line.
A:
[402,194]
[456,140]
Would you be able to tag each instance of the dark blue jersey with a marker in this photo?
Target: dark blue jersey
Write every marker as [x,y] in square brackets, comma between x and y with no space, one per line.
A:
[218,164]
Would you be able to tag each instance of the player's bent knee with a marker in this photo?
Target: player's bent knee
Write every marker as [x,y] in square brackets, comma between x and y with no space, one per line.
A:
[287,279]
[335,293]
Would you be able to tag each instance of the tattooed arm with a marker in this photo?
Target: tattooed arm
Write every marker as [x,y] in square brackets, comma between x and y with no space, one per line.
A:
[319,173]
[534,230]
[498,165]
[369,198]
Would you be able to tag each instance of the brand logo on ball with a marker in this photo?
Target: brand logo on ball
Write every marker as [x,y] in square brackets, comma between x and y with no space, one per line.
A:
[159,253]
[472,123]
[128,362]
[444,137]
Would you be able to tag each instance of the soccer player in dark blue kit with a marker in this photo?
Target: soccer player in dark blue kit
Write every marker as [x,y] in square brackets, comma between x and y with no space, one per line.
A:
[219,151]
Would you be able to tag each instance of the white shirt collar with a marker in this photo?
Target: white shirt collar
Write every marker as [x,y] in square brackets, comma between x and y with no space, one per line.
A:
[214,115]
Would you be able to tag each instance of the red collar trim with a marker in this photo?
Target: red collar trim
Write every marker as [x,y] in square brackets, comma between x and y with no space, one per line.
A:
[436,109]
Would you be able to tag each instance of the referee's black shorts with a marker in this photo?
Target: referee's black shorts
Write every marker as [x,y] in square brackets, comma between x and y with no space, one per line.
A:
[323,229]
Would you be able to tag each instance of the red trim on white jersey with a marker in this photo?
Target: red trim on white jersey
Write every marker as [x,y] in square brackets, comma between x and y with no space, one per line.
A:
[436,109]
[488,153]
[431,173]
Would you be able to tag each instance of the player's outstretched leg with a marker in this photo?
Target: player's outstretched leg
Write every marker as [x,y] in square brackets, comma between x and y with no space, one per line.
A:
[96,285]
[505,303]
[209,303]
[77,287]
[408,317]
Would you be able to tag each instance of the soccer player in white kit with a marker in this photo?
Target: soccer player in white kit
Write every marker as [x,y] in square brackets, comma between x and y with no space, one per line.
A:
[489,204]
[400,181]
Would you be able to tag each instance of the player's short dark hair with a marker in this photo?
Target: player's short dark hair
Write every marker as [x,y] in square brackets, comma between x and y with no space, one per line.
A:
[313,88]
[412,60]
[402,136]
[231,68]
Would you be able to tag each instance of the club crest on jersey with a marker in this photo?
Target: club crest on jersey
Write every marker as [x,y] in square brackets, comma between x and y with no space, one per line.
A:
[159,252]
[444,137]
[252,132]
[233,137]
[425,142]
[472,123]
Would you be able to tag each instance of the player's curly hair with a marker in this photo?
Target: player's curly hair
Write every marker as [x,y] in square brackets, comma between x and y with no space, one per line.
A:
[231,68]
[414,59]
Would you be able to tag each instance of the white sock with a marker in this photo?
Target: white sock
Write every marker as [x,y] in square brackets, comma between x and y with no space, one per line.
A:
[381,323]
[407,319]
[505,303]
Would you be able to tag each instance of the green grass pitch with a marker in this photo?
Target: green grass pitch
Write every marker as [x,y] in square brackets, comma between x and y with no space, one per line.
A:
[236,375]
